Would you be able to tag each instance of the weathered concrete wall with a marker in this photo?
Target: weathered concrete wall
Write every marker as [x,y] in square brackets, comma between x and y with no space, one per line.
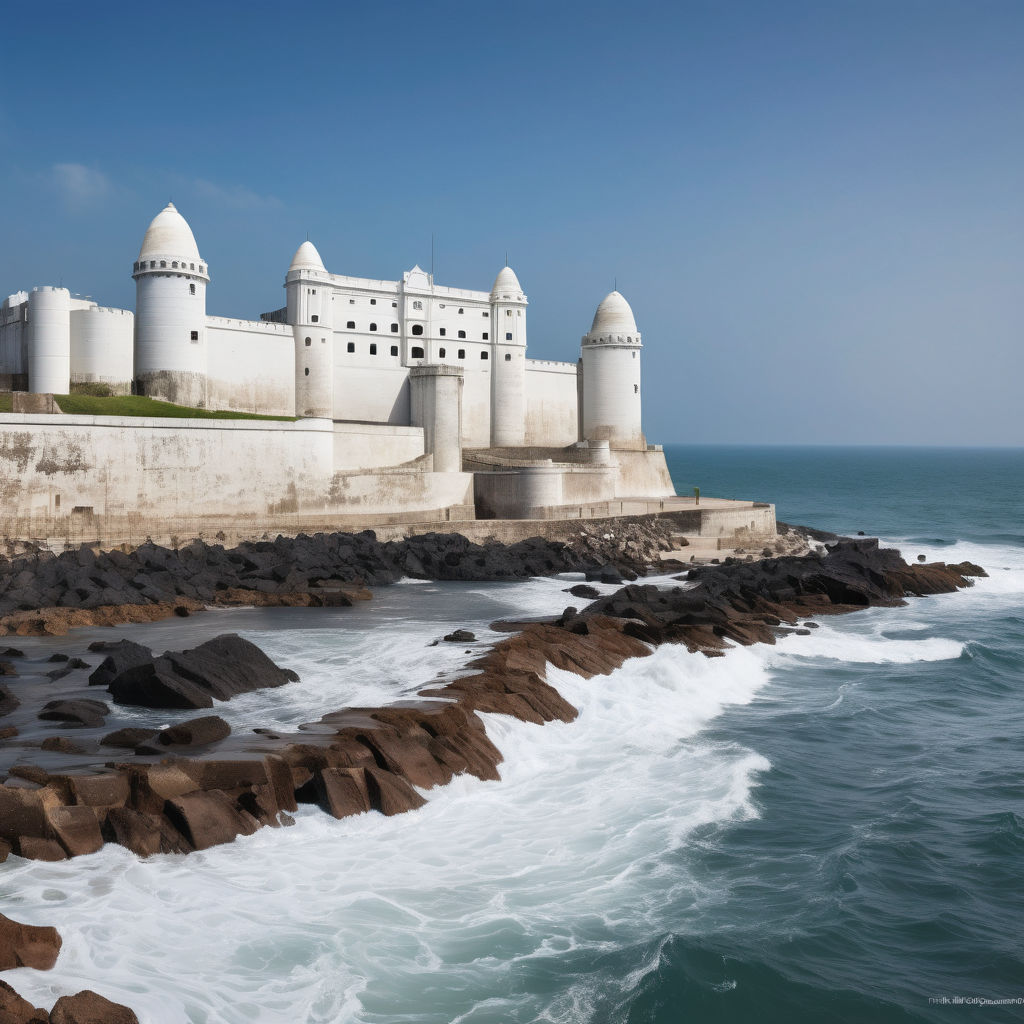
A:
[552,413]
[375,445]
[642,473]
[250,366]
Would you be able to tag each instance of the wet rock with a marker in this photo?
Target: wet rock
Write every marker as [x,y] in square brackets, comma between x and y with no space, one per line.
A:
[58,657]
[461,636]
[209,818]
[77,829]
[129,738]
[88,1007]
[11,652]
[194,732]
[7,669]
[88,713]
[121,655]
[390,794]
[218,669]
[26,945]
[61,745]
[8,732]
[582,590]
[605,574]
[8,702]
[16,1010]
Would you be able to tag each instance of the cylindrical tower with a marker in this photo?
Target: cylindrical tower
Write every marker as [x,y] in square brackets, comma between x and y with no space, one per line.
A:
[508,370]
[170,312]
[102,346]
[49,341]
[611,375]
[310,314]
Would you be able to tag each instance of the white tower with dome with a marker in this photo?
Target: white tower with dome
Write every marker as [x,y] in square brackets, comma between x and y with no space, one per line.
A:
[170,312]
[508,374]
[310,305]
[611,375]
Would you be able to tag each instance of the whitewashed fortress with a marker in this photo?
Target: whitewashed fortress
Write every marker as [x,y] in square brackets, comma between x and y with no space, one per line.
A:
[408,397]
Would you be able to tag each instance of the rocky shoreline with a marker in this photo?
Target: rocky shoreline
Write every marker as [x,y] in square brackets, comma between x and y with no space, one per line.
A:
[360,759]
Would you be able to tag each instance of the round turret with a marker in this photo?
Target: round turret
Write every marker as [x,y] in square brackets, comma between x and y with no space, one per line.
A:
[611,375]
[508,368]
[170,312]
[310,312]
[49,341]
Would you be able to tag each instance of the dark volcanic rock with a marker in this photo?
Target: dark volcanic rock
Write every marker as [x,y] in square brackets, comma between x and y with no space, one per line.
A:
[194,732]
[11,652]
[461,636]
[121,655]
[129,738]
[220,669]
[7,669]
[583,590]
[90,713]
[8,702]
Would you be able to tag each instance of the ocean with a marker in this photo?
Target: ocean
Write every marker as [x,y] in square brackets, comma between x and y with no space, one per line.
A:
[829,829]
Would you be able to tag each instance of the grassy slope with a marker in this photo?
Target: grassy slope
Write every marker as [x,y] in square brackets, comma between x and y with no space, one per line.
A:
[138,405]
[6,401]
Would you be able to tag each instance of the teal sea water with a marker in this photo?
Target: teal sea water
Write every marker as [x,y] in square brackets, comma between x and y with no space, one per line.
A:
[828,829]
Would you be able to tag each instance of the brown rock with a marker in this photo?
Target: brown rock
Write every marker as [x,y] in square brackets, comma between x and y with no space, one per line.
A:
[196,731]
[16,1010]
[23,811]
[27,945]
[36,848]
[77,829]
[389,794]
[280,777]
[343,791]
[128,738]
[209,818]
[87,1007]
[407,756]
[143,834]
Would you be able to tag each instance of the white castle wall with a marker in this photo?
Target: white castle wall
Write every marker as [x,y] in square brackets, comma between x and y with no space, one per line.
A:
[552,415]
[373,445]
[102,347]
[250,366]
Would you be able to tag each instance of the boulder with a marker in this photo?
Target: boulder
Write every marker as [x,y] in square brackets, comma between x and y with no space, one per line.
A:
[194,732]
[121,655]
[61,745]
[16,1010]
[129,738]
[11,652]
[585,591]
[77,829]
[208,819]
[220,669]
[27,945]
[87,1007]
[461,636]
[7,669]
[342,791]
[88,713]
[8,702]
[389,794]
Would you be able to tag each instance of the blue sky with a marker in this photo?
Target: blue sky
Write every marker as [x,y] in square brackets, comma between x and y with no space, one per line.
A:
[815,208]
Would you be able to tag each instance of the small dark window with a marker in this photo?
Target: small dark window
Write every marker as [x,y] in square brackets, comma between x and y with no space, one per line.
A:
[351,325]
[636,389]
[440,353]
[461,310]
[487,314]
[373,327]
[350,347]
[486,335]
[508,335]
[483,355]
[56,501]
[191,266]
[315,318]
[195,336]
[201,269]
[373,349]
[417,352]
[394,305]
[508,312]
[442,331]
[191,289]
[309,341]
[462,353]
[417,304]
[174,265]
[394,350]
[508,357]
[307,371]
[417,329]
[462,334]
[394,328]
[313,290]
[373,302]
[163,263]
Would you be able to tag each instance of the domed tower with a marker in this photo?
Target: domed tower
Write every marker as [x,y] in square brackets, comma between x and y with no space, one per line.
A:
[311,317]
[508,370]
[170,312]
[611,375]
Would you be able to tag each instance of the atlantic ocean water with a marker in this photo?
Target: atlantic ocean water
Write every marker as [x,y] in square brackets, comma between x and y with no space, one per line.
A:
[828,829]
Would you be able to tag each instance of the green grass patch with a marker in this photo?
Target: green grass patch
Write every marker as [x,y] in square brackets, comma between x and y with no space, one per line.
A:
[6,401]
[139,405]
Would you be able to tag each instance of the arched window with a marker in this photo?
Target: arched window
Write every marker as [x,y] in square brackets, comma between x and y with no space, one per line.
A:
[483,355]
[351,325]
[373,349]
[462,334]
[442,331]
[508,312]
[394,328]
[508,357]
[373,327]
[636,389]
[191,266]
[309,341]
[307,371]
[191,289]
[462,353]
[202,270]
[461,310]
[417,352]
[174,264]
[417,329]
[163,263]
[440,353]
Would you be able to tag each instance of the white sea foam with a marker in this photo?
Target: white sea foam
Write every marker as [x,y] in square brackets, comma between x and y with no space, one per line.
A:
[866,645]
[431,916]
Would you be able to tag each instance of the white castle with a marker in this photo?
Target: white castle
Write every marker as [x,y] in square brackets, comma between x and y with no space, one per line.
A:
[408,397]
[341,348]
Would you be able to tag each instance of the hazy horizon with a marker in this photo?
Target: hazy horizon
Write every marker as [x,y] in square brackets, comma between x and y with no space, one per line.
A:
[815,210]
